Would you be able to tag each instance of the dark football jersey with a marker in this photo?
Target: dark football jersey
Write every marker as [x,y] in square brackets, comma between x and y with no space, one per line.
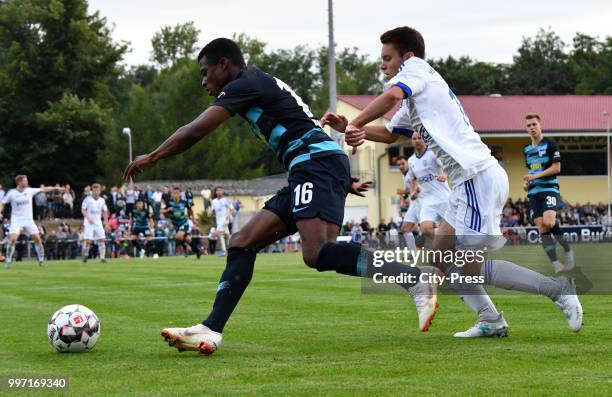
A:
[277,115]
[538,158]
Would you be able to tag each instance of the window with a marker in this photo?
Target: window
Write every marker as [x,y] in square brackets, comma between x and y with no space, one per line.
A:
[582,155]
[393,152]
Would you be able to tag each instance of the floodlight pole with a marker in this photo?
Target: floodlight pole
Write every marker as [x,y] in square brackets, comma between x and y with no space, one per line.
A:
[607,116]
[128,132]
[331,65]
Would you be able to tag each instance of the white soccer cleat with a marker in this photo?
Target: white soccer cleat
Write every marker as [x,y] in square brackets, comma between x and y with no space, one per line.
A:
[569,260]
[486,328]
[558,267]
[198,337]
[426,301]
[569,304]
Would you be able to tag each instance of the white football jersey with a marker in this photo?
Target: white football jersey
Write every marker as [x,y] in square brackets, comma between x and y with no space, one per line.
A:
[221,206]
[434,111]
[425,170]
[21,203]
[95,208]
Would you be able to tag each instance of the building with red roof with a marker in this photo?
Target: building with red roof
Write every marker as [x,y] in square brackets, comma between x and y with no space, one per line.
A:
[577,122]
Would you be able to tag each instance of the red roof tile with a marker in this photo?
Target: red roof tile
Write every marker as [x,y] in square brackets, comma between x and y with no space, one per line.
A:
[506,113]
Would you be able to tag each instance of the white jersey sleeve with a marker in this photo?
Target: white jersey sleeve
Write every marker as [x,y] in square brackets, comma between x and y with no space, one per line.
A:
[411,80]
[400,122]
[7,197]
[431,108]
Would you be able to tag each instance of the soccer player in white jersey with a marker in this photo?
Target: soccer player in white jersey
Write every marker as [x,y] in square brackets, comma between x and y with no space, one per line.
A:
[94,210]
[223,214]
[480,184]
[429,190]
[22,217]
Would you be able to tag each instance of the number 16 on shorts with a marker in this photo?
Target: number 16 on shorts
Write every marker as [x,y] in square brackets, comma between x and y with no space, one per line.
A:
[302,195]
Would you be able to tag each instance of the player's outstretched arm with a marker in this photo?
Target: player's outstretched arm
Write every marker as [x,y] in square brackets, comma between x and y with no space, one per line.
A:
[378,107]
[182,139]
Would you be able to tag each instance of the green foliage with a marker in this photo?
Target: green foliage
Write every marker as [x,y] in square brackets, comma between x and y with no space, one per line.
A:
[52,54]
[542,67]
[466,76]
[592,64]
[75,135]
[172,43]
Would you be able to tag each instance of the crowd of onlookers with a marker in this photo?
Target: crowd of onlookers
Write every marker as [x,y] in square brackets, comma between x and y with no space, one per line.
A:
[516,213]
[65,241]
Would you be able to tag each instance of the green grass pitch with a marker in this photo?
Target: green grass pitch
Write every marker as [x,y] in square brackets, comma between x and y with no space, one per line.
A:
[296,332]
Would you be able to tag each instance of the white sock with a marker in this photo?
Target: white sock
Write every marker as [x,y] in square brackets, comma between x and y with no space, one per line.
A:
[40,251]
[475,296]
[410,241]
[510,276]
[85,250]
[222,239]
[102,250]
[10,251]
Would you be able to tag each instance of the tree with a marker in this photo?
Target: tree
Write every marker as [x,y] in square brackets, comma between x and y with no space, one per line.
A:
[592,63]
[542,67]
[172,43]
[50,51]
[466,76]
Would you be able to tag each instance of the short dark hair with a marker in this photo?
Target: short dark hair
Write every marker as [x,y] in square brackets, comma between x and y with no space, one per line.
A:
[222,48]
[398,158]
[532,116]
[405,39]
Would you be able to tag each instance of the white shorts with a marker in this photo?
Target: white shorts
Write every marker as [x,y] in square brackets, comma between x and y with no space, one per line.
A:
[93,231]
[222,228]
[28,224]
[475,209]
[423,211]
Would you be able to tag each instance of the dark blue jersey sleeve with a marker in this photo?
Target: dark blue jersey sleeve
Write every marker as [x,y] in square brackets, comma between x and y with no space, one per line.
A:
[553,152]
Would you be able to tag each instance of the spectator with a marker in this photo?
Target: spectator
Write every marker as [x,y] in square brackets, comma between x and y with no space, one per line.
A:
[212,240]
[365,227]
[206,195]
[131,195]
[62,242]
[157,203]
[189,199]
[171,240]
[68,197]
[21,249]
[51,246]
[40,203]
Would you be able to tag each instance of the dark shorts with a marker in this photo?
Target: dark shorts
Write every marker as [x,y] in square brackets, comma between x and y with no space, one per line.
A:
[317,189]
[181,226]
[544,201]
[136,231]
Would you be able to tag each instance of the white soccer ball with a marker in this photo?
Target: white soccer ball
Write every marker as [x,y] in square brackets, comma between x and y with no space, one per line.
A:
[73,329]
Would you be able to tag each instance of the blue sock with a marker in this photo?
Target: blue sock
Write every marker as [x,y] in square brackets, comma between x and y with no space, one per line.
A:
[234,280]
[352,260]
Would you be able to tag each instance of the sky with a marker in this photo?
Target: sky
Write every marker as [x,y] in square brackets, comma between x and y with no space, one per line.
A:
[489,31]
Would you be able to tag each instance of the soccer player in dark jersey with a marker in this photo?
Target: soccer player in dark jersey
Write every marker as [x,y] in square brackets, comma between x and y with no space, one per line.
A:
[176,209]
[139,225]
[543,161]
[312,203]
